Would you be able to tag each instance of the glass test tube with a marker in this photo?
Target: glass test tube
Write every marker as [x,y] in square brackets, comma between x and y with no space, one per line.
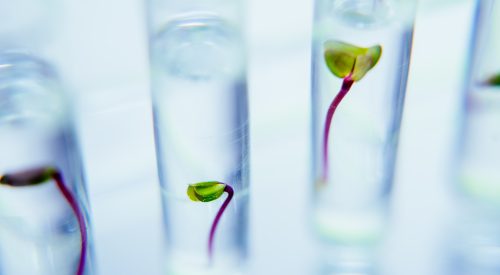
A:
[43,206]
[360,60]
[199,91]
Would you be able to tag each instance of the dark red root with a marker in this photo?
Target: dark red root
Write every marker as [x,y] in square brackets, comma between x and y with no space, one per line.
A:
[79,215]
[346,86]
[230,192]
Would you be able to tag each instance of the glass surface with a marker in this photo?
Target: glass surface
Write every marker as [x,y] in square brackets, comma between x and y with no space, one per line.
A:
[201,126]
[352,188]
[475,246]
[479,154]
[477,171]
[44,225]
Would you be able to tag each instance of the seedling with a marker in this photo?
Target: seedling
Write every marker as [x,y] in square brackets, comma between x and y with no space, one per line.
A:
[494,80]
[44,175]
[207,192]
[350,63]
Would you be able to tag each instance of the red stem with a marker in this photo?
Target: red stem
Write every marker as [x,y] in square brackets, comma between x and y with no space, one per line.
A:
[79,215]
[230,192]
[346,86]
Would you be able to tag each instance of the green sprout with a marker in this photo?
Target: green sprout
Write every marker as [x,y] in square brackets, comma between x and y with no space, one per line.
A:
[206,192]
[28,178]
[42,175]
[494,80]
[351,63]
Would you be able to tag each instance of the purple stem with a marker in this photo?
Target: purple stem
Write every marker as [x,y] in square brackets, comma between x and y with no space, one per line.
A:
[79,215]
[346,86]
[230,192]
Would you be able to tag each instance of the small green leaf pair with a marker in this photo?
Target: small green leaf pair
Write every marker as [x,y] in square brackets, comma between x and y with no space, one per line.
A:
[349,61]
[205,191]
[494,80]
[29,177]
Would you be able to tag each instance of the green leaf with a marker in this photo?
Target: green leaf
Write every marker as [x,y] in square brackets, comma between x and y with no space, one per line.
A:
[346,60]
[205,191]
[340,57]
[494,80]
[28,177]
